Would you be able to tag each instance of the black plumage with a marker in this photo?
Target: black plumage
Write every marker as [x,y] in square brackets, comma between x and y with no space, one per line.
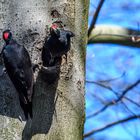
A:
[19,68]
[56,45]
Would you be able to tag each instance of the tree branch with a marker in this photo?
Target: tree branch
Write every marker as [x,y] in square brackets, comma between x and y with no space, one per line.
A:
[114,101]
[129,88]
[99,98]
[112,79]
[115,35]
[130,100]
[110,125]
[95,16]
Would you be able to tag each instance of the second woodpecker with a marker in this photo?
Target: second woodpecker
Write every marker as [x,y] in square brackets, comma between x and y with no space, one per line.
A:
[19,68]
[56,45]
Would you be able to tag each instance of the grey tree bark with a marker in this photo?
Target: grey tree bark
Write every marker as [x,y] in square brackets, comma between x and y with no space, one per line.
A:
[58,109]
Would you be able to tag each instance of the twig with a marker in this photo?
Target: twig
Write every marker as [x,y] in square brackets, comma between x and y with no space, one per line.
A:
[129,88]
[129,109]
[102,85]
[113,79]
[100,110]
[114,101]
[110,125]
[130,100]
[99,98]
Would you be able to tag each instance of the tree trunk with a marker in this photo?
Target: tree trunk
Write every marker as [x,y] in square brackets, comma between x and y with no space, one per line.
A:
[58,109]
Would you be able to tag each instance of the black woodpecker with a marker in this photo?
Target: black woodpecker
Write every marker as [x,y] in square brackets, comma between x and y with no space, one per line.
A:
[19,68]
[56,45]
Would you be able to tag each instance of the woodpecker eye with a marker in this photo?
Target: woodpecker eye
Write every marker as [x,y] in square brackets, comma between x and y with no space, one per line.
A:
[5,36]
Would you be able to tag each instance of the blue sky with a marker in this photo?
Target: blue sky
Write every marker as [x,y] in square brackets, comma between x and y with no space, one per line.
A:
[106,61]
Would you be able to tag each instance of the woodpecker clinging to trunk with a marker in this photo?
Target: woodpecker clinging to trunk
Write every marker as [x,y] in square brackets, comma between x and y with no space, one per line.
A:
[19,68]
[56,45]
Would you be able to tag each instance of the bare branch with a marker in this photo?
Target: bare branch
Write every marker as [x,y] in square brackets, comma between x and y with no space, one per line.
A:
[102,85]
[95,16]
[115,35]
[130,100]
[114,101]
[113,79]
[111,124]
[99,98]
[129,88]
[101,110]
[129,109]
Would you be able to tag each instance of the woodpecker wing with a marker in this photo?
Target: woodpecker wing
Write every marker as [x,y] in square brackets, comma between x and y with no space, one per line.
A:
[19,68]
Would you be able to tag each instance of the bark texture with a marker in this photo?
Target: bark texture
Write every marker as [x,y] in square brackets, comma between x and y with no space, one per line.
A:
[58,109]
